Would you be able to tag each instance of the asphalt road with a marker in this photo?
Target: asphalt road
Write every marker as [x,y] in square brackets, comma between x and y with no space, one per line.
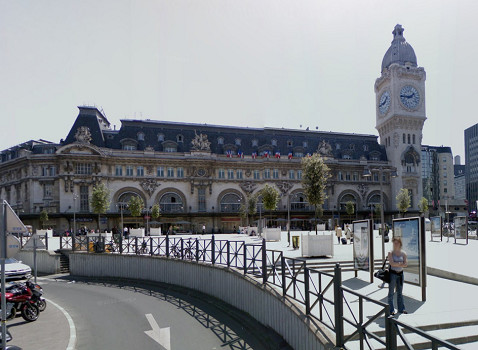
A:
[113,315]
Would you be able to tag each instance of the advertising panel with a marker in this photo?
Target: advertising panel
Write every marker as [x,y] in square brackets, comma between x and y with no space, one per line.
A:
[362,245]
[436,227]
[409,230]
[461,227]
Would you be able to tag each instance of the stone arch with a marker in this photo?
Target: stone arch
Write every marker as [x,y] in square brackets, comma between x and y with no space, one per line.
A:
[126,192]
[374,198]
[347,195]
[229,206]
[298,200]
[80,148]
[171,200]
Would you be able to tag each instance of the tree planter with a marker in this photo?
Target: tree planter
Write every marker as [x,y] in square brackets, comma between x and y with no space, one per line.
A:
[272,234]
[136,232]
[317,245]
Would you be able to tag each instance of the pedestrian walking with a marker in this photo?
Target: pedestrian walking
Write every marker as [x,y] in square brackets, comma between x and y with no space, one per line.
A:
[203,229]
[397,259]
[338,233]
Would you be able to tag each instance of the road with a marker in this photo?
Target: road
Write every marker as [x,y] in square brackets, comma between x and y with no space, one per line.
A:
[116,315]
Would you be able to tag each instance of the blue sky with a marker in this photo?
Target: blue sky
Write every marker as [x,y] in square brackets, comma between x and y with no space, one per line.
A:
[247,62]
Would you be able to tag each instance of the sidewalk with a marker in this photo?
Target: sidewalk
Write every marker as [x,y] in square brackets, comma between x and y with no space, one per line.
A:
[50,331]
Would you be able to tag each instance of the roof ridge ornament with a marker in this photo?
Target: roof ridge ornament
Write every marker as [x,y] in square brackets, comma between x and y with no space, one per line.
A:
[83,135]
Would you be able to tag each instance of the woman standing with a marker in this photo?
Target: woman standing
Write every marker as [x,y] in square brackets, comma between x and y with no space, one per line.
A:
[397,259]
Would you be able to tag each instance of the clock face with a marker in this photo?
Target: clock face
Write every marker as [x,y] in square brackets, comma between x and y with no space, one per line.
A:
[409,97]
[201,172]
[384,103]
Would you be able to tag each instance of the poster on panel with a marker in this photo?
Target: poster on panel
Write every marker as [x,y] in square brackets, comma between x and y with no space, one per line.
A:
[461,227]
[409,230]
[436,227]
[362,247]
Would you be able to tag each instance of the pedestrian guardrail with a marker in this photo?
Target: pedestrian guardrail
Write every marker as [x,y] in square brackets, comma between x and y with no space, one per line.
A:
[321,293]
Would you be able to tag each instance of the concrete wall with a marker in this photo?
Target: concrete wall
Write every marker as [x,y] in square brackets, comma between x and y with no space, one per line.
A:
[47,262]
[261,302]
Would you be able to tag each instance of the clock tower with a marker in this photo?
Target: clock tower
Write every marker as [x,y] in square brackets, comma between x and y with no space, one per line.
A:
[400,109]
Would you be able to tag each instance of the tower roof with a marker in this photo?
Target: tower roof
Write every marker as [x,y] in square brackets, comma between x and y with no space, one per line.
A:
[400,51]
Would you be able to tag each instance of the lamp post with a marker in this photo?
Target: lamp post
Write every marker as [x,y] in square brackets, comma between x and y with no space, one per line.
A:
[75,197]
[288,218]
[381,171]
[121,205]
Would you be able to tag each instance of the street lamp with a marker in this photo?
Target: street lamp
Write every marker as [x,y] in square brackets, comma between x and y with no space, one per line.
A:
[75,197]
[121,205]
[393,173]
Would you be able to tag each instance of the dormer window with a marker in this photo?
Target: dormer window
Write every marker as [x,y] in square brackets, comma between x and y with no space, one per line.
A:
[179,138]
[237,142]
[160,137]
[255,142]
[305,144]
[140,136]
[220,140]
[365,148]
[337,146]
[289,143]
[274,142]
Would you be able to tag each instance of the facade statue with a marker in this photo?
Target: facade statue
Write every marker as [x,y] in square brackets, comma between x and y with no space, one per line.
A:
[200,142]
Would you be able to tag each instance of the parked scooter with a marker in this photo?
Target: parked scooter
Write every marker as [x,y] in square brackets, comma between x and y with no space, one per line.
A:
[19,298]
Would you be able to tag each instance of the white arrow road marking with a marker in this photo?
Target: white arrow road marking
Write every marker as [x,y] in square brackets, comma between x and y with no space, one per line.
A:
[161,336]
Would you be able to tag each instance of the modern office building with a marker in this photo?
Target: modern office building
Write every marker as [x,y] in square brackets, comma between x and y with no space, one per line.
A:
[460,181]
[200,174]
[471,161]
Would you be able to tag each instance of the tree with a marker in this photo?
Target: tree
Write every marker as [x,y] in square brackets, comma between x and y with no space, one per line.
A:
[270,198]
[155,211]
[403,201]
[378,210]
[423,205]
[100,200]
[315,174]
[136,206]
[350,208]
[43,217]
[249,207]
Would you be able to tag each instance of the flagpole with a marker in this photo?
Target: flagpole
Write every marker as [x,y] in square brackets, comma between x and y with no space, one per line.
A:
[2,261]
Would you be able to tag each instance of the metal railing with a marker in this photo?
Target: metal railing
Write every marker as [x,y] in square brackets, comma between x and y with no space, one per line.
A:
[43,239]
[321,293]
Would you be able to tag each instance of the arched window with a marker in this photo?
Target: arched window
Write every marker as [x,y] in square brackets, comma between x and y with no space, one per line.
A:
[171,202]
[160,137]
[140,136]
[237,142]
[374,201]
[220,140]
[274,142]
[230,203]
[347,198]
[298,202]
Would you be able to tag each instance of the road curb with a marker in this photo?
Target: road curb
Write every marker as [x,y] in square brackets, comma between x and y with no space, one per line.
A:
[72,341]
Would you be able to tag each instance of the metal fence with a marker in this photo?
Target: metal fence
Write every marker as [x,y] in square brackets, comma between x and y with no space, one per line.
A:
[345,312]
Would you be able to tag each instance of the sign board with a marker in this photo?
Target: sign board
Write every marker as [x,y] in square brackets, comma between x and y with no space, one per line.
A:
[13,246]
[363,246]
[30,242]
[412,233]
[436,227]
[461,227]
[14,224]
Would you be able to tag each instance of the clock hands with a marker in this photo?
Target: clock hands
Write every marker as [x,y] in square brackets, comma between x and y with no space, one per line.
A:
[408,96]
[384,101]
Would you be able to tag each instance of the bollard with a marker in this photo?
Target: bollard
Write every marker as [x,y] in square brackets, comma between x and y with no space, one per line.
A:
[264,262]
[338,307]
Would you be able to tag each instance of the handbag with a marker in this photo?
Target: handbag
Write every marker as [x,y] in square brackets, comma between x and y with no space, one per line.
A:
[383,273]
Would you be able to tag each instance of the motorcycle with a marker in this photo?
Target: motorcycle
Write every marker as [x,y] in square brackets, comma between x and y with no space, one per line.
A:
[37,292]
[19,298]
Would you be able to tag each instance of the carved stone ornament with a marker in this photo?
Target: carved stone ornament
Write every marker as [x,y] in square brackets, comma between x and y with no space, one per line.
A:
[149,186]
[284,186]
[362,189]
[396,140]
[200,142]
[149,149]
[325,149]
[248,186]
[83,134]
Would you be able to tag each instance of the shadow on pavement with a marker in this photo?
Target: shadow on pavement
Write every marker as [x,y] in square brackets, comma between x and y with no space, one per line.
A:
[235,329]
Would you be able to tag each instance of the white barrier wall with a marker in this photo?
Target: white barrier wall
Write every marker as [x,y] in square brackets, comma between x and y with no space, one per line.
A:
[317,245]
[49,233]
[262,302]
[272,234]
[155,231]
[47,262]
[136,232]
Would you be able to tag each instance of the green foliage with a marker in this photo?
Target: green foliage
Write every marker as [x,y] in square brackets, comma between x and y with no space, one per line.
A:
[315,174]
[100,199]
[155,211]
[136,206]
[43,216]
[403,200]
[270,197]
[249,206]
[423,205]
[378,209]
[350,207]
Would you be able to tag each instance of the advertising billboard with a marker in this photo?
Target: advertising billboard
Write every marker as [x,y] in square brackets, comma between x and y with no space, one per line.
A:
[410,231]
[363,246]
[461,228]
[436,227]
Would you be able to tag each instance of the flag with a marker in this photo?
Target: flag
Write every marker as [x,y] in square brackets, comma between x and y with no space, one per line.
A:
[308,155]
[277,155]
[240,154]
[229,154]
[290,155]
[254,155]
